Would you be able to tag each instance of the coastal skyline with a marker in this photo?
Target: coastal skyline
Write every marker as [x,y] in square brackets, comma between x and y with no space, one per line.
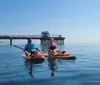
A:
[77,20]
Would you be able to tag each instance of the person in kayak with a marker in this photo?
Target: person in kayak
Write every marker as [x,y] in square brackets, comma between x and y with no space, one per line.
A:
[30,48]
[52,47]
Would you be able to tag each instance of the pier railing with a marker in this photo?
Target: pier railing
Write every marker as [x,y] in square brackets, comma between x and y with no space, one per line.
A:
[43,39]
[26,36]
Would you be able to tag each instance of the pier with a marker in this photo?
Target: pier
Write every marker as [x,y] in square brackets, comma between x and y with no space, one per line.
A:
[44,37]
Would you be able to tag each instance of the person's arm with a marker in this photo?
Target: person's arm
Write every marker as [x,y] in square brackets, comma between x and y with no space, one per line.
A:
[25,47]
[26,51]
[56,46]
[37,49]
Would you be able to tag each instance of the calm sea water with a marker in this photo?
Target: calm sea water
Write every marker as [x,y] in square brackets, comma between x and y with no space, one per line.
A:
[85,70]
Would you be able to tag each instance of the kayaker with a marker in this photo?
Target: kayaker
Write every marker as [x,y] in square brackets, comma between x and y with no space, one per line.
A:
[30,48]
[52,47]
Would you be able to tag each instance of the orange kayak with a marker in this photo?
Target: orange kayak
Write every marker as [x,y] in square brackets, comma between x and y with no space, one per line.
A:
[36,57]
[62,56]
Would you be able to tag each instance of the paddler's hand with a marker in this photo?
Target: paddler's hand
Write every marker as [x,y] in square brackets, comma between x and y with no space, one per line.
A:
[27,53]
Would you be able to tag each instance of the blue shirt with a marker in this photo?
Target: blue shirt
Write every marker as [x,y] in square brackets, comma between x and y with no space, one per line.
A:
[30,47]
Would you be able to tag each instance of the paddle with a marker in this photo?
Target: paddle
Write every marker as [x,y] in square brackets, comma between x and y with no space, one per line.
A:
[24,49]
[19,47]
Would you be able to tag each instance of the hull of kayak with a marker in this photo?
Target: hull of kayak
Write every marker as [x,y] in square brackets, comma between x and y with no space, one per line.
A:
[62,56]
[29,58]
[65,57]
[36,59]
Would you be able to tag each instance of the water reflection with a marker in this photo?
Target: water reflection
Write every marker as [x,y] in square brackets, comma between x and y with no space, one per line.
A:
[30,65]
[52,65]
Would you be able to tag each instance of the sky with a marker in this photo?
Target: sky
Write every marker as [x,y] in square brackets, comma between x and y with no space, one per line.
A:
[77,20]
